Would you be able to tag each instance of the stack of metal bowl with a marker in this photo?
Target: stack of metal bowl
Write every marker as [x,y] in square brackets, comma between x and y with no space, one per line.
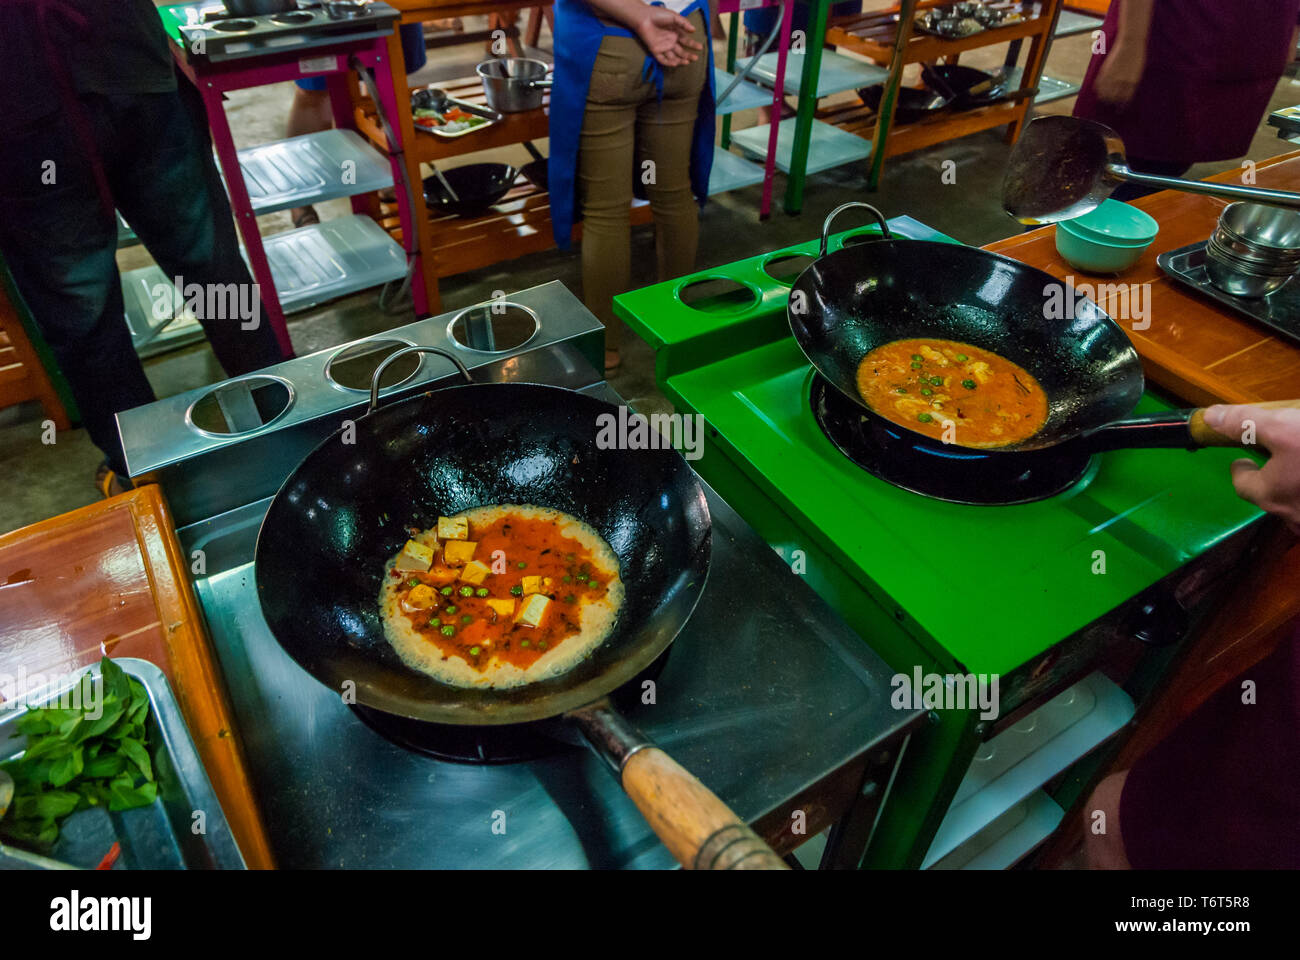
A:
[1254,250]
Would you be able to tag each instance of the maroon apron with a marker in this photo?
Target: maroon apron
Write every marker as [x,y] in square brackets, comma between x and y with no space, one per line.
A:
[1211,67]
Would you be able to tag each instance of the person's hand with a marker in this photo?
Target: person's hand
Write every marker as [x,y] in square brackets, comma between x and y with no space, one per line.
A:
[1275,486]
[664,34]
[1121,71]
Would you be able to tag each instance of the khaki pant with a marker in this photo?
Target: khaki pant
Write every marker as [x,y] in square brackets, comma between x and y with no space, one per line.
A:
[625,126]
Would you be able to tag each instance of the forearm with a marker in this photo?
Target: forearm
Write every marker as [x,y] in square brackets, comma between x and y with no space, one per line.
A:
[626,12]
[1134,25]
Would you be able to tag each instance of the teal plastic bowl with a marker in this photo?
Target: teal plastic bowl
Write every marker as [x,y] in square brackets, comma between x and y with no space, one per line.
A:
[1109,239]
[1116,223]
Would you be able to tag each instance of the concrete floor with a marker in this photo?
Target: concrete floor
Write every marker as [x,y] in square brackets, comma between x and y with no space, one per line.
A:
[41,481]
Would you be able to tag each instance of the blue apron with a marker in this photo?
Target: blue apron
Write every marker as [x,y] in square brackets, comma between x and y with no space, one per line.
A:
[578,33]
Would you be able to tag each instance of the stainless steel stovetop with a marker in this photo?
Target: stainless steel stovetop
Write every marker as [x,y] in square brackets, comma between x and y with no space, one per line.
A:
[767,695]
[212,33]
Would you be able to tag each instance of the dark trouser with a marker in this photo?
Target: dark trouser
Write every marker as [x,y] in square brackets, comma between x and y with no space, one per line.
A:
[59,241]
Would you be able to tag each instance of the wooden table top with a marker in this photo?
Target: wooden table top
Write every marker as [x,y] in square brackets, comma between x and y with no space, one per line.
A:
[110,579]
[1194,348]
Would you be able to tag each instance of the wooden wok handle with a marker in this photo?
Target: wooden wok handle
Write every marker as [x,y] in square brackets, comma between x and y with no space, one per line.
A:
[1206,436]
[696,827]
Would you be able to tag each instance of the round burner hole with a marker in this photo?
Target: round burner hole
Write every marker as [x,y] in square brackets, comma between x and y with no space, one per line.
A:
[717,295]
[494,327]
[787,267]
[294,16]
[233,26]
[241,406]
[353,367]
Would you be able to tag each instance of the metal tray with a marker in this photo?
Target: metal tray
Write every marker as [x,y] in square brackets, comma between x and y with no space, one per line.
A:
[1279,311]
[492,117]
[159,836]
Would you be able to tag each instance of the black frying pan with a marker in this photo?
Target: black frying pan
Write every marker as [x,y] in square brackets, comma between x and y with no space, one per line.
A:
[849,302]
[477,187]
[345,510]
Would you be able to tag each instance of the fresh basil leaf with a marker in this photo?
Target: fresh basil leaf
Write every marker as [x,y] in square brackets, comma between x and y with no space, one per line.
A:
[65,768]
[128,798]
[134,751]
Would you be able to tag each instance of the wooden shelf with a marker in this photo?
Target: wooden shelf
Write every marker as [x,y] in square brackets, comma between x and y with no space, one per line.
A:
[426,148]
[874,35]
[520,223]
[945,125]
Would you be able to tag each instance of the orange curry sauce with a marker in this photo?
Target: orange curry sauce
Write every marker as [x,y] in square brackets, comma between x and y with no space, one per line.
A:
[924,384]
[529,548]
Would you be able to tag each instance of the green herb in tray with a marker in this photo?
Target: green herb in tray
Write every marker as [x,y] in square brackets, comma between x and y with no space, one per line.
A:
[94,754]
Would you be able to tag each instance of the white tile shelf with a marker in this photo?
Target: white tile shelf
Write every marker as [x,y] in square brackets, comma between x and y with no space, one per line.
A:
[746,95]
[310,265]
[828,147]
[1018,761]
[838,73]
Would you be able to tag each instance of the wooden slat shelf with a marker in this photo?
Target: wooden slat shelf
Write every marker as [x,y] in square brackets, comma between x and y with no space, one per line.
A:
[520,223]
[874,34]
[940,128]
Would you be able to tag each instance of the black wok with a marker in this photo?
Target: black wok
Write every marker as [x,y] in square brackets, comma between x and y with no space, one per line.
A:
[476,185]
[345,510]
[849,302]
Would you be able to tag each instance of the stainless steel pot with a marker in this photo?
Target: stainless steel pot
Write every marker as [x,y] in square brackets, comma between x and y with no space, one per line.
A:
[514,84]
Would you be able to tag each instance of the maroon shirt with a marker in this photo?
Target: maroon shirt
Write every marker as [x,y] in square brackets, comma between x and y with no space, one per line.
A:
[1211,68]
[1222,791]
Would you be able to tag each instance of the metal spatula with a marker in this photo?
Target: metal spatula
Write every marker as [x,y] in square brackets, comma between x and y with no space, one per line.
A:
[1062,167]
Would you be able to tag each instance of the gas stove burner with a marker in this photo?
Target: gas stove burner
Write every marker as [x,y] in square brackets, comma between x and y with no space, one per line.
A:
[512,743]
[345,8]
[237,25]
[944,472]
[295,16]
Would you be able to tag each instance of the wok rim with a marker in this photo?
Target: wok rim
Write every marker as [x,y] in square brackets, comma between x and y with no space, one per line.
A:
[554,705]
[1134,359]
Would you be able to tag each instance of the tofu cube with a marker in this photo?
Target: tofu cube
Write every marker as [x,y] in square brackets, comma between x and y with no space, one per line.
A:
[502,608]
[441,575]
[457,553]
[453,528]
[532,610]
[414,556]
[422,597]
[475,572]
[532,585]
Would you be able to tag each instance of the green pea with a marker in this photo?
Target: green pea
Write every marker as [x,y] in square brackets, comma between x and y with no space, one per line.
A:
[522,565]
[467,619]
[481,592]
[413,582]
[962,358]
[926,391]
[568,556]
[925,418]
[474,651]
[916,365]
[917,358]
[593,584]
[451,609]
[541,645]
[570,598]
[567,578]
[523,643]
[517,590]
[467,591]
[937,381]
[968,384]
[445,591]
[449,631]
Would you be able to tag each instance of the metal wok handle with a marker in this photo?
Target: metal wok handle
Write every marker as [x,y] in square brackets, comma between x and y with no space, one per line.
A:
[1231,191]
[379,370]
[826,224]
